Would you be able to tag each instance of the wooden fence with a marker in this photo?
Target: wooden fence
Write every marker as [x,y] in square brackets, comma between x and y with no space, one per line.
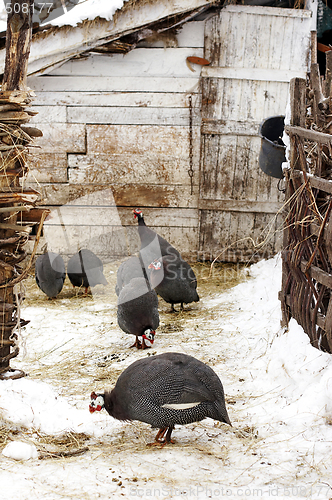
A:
[306,293]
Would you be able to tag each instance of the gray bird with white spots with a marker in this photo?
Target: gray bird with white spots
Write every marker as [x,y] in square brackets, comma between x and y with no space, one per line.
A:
[165,390]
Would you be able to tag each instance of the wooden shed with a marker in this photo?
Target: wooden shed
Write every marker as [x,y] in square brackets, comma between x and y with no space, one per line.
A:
[129,121]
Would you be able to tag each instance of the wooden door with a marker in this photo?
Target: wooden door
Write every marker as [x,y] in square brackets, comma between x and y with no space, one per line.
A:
[253,54]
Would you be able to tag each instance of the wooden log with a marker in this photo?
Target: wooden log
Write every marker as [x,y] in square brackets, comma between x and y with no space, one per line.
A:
[297,91]
[32,131]
[13,147]
[18,39]
[14,117]
[15,227]
[21,97]
[310,135]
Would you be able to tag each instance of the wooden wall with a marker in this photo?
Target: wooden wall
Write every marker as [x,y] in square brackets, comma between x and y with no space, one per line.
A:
[120,124]
[254,52]
[116,134]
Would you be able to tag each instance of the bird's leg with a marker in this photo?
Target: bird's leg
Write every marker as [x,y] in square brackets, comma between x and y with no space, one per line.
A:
[173,310]
[159,437]
[137,344]
[143,345]
[168,435]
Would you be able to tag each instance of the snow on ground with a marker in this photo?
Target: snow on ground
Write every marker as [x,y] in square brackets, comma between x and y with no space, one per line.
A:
[277,386]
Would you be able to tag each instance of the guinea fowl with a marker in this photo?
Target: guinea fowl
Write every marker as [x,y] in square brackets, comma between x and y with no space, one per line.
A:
[153,245]
[50,273]
[174,280]
[165,390]
[138,311]
[129,269]
[86,269]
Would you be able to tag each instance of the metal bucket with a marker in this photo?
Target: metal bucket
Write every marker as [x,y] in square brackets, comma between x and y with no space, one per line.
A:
[272,153]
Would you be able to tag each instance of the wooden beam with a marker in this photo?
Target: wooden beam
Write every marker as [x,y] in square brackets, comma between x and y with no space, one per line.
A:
[310,135]
[257,74]
[317,274]
[316,182]
[240,206]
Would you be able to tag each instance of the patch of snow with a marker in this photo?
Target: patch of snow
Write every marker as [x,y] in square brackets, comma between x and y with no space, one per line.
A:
[18,450]
[277,387]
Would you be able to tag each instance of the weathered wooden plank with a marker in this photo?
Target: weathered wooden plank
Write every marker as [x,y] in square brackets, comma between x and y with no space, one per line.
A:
[60,194]
[236,243]
[232,100]
[120,237]
[153,62]
[49,114]
[131,116]
[252,38]
[61,138]
[72,215]
[155,195]
[310,135]
[46,167]
[260,74]
[116,84]
[115,243]
[153,141]
[139,99]
[227,205]
[230,127]
[269,11]
[125,168]
[229,170]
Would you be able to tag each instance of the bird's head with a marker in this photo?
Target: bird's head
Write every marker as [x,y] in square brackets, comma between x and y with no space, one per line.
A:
[96,403]
[156,265]
[149,335]
[137,213]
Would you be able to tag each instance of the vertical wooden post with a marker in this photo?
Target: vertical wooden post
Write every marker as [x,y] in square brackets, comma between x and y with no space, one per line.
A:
[18,40]
[297,92]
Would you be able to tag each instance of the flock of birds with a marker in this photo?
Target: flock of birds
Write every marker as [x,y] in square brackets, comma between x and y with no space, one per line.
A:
[161,390]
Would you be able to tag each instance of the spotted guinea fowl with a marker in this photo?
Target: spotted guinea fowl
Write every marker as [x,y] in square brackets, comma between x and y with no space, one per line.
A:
[163,391]
[86,269]
[50,273]
[153,245]
[137,311]
[174,280]
[129,269]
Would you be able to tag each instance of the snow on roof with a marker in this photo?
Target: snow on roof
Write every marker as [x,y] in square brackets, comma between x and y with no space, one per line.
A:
[84,10]
[89,9]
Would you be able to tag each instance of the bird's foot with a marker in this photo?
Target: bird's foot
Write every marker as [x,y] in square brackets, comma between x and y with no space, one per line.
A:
[136,344]
[140,345]
[161,443]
